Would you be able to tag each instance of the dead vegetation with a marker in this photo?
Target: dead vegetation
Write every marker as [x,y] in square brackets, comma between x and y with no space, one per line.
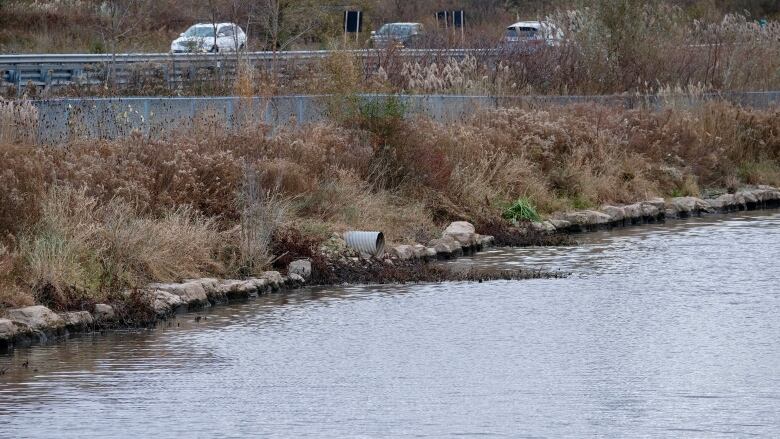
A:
[90,218]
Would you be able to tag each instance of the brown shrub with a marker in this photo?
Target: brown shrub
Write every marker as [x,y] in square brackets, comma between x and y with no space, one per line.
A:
[21,186]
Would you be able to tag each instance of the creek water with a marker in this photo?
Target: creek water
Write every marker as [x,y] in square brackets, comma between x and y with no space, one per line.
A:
[665,330]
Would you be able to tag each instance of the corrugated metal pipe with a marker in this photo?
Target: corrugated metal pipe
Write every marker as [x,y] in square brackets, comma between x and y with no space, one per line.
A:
[372,243]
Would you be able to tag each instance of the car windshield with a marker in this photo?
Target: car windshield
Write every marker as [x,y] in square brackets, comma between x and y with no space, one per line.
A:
[200,31]
[396,29]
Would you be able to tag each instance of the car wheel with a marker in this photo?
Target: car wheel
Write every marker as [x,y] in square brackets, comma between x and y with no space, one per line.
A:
[214,49]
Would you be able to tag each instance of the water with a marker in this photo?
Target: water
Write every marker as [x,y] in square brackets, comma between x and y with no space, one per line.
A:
[668,330]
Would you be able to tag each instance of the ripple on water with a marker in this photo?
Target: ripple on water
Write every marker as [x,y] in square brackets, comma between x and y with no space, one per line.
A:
[666,330]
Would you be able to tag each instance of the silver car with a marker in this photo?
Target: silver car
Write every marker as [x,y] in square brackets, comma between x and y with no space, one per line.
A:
[397,34]
[210,37]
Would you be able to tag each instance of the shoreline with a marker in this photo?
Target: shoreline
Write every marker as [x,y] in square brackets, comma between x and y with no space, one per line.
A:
[159,302]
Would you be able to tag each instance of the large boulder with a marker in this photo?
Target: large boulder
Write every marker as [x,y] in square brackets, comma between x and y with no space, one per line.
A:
[633,212]
[616,214]
[7,331]
[543,227]
[586,218]
[191,293]
[420,251]
[446,247]
[38,318]
[77,320]
[104,312]
[650,210]
[463,232]
[301,267]
[658,202]
[164,303]
[274,279]
[560,225]
[402,252]
[486,241]
[724,203]
[686,206]
[294,280]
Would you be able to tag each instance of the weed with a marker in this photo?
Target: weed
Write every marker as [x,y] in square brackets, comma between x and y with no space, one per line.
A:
[522,210]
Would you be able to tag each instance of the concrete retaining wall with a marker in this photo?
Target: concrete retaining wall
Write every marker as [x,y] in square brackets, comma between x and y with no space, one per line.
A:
[108,118]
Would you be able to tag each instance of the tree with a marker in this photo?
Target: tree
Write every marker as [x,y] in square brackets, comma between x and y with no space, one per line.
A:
[118,19]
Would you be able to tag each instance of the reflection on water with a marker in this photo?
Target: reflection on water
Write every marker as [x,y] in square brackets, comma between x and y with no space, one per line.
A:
[667,330]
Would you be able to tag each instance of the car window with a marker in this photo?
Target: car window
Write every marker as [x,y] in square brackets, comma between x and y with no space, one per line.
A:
[226,31]
[527,32]
[199,31]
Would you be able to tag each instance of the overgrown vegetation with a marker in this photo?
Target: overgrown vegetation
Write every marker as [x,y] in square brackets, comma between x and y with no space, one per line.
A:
[90,218]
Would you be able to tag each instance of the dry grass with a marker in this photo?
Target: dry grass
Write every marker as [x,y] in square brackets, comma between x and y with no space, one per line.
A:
[81,250]
[18,122]
[91,217]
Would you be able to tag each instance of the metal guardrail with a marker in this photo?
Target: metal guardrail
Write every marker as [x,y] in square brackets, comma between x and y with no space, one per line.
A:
[46,70]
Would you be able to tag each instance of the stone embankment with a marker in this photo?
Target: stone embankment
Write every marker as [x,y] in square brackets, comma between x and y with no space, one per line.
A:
[658,209]
[38,323]
[23,326]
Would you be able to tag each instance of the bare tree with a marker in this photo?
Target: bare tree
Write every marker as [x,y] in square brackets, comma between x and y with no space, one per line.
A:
[118,20]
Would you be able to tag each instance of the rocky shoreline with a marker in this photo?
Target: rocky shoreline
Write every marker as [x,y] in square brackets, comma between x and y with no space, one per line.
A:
[160,301]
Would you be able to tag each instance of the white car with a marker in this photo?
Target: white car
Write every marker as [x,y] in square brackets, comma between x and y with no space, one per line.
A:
[533,34]
[209,37]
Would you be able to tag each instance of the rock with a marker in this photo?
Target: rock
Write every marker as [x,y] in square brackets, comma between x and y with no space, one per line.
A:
[78,320]
[191,293]
[486,241]
[164,303]
[616,214]
[301,267]
[38,318]
[685,206]
[460,227]
[446,247]
[419,251]
[586,218]
[209,284]
[724,203]
[104,312]
[260,285]
[430,252]
[463,232]
[746,198]
[650,210]
[633,212]
[544,227]
[295,280]
[274,279]
[403,252]
[658,202]
[7,331]
[560,224]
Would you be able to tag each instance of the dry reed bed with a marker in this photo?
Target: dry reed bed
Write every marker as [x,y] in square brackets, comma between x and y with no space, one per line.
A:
[81,222]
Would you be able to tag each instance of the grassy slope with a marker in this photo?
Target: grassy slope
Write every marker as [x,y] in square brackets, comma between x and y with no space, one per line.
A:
[84,221]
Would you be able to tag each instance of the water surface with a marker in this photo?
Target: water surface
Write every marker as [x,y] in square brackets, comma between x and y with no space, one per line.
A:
[668,330]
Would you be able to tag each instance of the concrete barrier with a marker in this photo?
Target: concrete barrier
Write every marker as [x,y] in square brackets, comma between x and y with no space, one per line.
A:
[60,120]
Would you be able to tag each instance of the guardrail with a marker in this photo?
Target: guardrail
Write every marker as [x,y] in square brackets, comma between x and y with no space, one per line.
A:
[52,70]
